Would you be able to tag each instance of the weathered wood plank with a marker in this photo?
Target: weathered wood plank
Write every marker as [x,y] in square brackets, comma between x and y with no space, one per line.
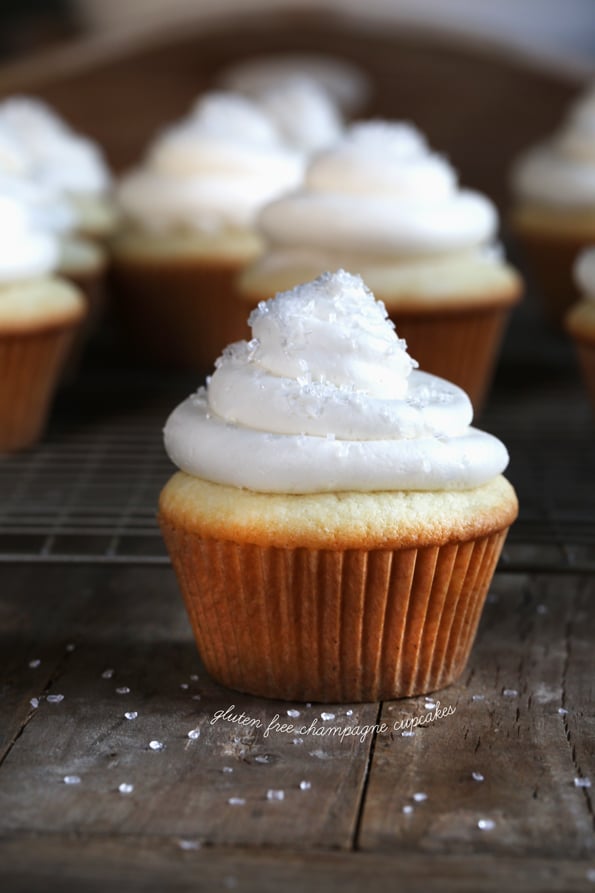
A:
[136,626]
[532,661]
[77,864]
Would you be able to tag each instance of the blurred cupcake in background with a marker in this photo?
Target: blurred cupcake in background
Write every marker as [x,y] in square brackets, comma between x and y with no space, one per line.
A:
[306,116]
[39,314]
[66,162]
[580,319]
[188,227]
[383,205]
[346,85]
[553,187]
[65,181]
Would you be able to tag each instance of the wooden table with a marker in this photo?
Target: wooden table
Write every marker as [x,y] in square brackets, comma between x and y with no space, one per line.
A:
[97,660]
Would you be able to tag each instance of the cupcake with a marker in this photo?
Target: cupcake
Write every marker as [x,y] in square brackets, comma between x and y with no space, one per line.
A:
[383,205]
[580,319]
[335,522]
[64,161]
[304,114]
[344,82]
[189,228]
[553,187]
[39,315]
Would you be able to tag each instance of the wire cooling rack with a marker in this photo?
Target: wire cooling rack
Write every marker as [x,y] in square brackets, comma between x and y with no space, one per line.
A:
[88,492]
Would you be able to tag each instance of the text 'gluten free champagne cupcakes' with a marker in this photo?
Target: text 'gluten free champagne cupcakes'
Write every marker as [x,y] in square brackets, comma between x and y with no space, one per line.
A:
[336,522]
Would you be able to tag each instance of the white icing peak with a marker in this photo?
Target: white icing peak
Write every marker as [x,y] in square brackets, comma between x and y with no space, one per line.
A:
[325,397]
[561,170]
[381,190]
[27,249]
[584,272]
[304,113]
[52,152]
[214,169]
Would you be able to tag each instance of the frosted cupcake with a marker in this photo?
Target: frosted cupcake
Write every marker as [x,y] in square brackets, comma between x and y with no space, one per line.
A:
[383,205]
[64,161]
[554,215]
[38,317]
[190,210]
[580,319]
[306,117]
[335,522]
[345,83]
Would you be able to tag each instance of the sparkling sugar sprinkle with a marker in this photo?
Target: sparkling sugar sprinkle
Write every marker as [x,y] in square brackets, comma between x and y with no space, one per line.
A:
[510,693]
[293,713]
[54,699]
[125,788]
[273,794]
[582,782]
[123,690]
[72,779]
[34,663]
[408,809]
[236,801]
[132,714]
[420,797]
[156,745]
[34,703]
[477,776]
[305,785]
[486,824]
[189,844]
[107,674]
[327,716]
[194,734]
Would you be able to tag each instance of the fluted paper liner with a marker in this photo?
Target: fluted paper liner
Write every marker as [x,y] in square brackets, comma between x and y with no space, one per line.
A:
[551,259]
[30,366]
[179,313]
[333,626]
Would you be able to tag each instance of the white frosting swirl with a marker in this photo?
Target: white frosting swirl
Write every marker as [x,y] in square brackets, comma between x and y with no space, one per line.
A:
[561,171]
[326,398]
[584,273]
[213,170]
[304,113]
[55,155]
[380,190]
[27,249]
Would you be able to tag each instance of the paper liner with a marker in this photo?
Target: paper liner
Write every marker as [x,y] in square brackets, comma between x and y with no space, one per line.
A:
[92,287]
[551,258]
[333,626]
[179,313]
[586,355]
[30,366]
[461,345]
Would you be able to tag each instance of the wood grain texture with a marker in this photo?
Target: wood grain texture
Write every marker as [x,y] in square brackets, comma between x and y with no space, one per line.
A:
[530,662]
[135,625]
[96,864]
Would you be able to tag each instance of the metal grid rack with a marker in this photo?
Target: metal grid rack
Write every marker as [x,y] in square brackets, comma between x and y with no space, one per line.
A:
[88,492]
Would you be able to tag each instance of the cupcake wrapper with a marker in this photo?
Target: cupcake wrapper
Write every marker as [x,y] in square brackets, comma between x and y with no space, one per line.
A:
[179,314]
[333,626]
[586,355]
[461,346]
[551,259]
[30,366]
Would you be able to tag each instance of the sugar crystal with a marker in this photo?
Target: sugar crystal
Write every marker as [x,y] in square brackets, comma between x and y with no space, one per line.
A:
[486,824]
[72,779]
[125,788]
[275,794]
[54,699]
[156,745]
[194,734]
